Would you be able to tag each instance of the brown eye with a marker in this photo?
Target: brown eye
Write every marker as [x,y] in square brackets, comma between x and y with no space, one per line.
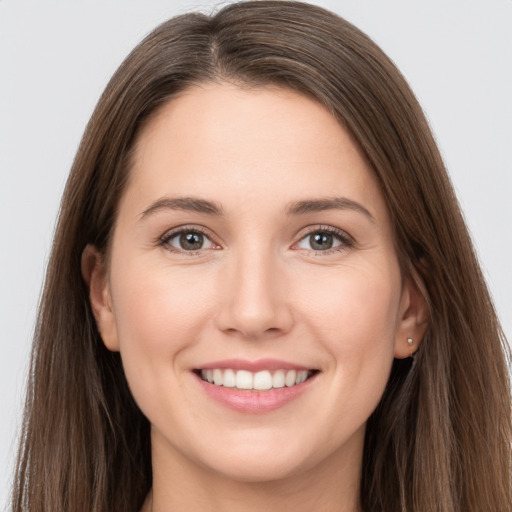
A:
[322,240]
[191,241]
[188,241]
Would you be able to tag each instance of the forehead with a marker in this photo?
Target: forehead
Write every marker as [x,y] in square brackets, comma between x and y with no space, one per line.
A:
[247,147]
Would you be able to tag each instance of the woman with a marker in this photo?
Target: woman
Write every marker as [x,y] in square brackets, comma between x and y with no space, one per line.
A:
[262,293]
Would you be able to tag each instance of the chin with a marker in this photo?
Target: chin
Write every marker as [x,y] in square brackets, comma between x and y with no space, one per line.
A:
[259,470]
[262,457]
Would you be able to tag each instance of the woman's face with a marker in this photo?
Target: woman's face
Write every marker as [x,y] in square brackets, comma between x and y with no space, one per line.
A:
[253,247]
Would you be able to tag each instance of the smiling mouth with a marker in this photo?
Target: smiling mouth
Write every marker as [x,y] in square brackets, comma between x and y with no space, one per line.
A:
[255,381]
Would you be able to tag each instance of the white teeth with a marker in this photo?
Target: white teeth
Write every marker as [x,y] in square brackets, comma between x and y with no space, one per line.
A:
[259,381]
[278,379]
[217,377]
[290,378]
[229,379]
[262,380]
[243,379]
[301,377]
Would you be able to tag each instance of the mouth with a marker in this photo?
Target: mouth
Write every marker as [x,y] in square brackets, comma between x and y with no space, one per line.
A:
[255,387]
[263,380]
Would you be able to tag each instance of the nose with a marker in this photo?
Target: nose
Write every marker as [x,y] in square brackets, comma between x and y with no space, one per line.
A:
[255,297]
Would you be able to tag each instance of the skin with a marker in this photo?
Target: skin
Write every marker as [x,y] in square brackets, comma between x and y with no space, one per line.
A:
[256,289]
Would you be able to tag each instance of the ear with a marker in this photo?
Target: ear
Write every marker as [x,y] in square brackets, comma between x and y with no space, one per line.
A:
[413,317]
[95,275]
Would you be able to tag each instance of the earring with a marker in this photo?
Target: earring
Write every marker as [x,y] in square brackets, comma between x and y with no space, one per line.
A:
[410,342]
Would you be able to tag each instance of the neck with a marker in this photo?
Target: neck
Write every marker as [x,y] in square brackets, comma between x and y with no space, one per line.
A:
[179,484]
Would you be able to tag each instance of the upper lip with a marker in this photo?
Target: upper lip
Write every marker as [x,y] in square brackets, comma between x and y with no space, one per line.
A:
[253,366]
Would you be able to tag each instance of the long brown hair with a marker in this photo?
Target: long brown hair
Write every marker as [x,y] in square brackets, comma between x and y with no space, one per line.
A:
[440,440]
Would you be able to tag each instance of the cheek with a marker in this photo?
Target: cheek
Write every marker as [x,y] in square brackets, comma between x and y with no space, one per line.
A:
[358,306]
[158,315]
[356,321]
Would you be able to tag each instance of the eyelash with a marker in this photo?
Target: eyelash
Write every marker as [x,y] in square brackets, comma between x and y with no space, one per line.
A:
[167,237]
[346,241]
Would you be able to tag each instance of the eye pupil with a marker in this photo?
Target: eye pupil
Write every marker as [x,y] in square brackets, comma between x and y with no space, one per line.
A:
[321,241]
[191,241]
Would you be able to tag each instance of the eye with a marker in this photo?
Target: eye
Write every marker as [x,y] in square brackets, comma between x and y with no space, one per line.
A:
[323,240]
[188,240]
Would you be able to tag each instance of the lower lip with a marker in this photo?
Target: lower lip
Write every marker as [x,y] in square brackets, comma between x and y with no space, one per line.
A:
[254,402]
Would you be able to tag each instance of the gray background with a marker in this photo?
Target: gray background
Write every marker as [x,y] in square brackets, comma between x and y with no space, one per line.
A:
[56,58]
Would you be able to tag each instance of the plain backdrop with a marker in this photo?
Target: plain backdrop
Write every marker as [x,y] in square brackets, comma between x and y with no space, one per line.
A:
[57,56]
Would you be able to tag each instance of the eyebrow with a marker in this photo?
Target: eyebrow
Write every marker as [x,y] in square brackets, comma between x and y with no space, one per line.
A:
[303,207]
[332,203]
[190,204]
